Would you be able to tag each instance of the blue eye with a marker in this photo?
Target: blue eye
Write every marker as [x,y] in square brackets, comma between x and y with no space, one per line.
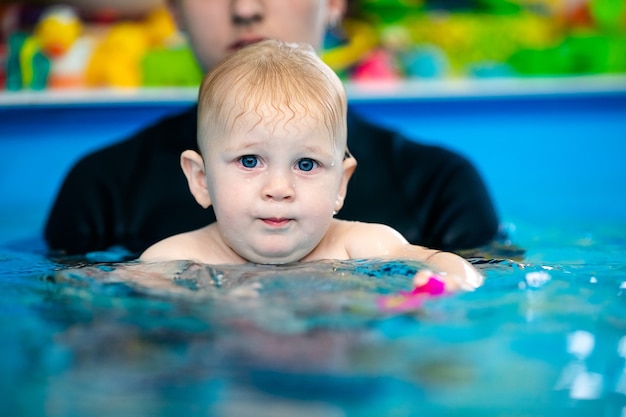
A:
[249,161]
[306,164]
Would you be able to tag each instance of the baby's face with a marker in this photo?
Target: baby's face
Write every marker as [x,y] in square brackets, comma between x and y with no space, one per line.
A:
[274,186]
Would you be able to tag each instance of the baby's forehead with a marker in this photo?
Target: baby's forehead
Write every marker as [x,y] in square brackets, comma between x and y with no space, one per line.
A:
[277,114]
[275,118]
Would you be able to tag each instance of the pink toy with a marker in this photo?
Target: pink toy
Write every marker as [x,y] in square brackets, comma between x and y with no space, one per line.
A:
[378,66]
[410,300]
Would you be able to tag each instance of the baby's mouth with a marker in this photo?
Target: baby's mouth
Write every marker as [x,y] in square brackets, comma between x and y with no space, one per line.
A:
[276,222]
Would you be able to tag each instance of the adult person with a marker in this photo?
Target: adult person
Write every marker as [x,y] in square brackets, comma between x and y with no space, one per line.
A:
[133,194]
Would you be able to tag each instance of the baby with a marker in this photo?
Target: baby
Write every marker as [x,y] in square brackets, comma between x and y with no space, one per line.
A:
[274,165]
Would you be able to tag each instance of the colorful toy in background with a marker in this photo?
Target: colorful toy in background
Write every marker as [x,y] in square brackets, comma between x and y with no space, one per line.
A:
[116,60]
[56,47]
[354,47]
[59,32]
[488,38]
[61,51]
[27,57]
[26,65]
[53,55]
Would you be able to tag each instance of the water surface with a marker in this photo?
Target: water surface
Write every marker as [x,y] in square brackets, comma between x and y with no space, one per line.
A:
[544,336]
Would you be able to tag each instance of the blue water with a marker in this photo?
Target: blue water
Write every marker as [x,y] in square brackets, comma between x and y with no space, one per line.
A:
[545,336]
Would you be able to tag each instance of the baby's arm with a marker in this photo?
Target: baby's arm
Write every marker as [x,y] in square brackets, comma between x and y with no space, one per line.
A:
[457,273]
[379,241]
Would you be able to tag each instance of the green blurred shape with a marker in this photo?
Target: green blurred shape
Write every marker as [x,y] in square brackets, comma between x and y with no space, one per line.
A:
[534,61]
[26,66]
[13,67]
[581,53]
[171,67]
[594,53]
[499,7]
[385,12]
[608,14]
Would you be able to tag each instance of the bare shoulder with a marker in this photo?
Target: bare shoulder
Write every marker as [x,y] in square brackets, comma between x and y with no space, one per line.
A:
[369,240]
[370,231]
[177,247]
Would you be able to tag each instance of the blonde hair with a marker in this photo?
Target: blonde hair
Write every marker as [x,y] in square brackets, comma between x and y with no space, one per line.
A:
[287,77]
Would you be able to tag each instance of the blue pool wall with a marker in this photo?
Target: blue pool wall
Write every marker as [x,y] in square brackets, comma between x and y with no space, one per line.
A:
[547,156]
[540,155]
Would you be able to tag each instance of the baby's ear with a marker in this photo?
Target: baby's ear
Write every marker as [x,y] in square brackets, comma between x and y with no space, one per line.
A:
[193,166]
[348,165]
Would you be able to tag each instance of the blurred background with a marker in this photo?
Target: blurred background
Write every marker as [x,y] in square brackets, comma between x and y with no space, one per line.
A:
[115,43]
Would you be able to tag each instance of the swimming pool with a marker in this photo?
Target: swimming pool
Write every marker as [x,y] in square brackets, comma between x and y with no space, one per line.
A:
[543,337]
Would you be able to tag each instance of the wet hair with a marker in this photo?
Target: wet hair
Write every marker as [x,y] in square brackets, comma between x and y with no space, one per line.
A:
[287,78]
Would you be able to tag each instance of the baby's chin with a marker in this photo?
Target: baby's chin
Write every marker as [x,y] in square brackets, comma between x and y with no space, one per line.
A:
[275,257]
[274,260]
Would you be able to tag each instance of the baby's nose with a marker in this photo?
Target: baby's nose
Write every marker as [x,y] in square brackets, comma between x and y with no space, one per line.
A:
[279,186]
